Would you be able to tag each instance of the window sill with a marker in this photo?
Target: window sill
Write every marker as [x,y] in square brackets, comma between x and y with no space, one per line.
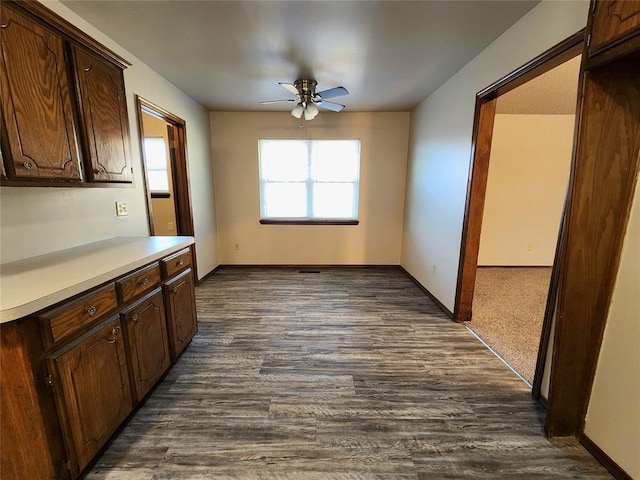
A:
[305,221]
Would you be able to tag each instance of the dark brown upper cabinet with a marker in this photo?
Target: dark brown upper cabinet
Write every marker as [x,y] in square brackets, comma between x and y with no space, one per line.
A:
[37,112]
[64,115]
[615,31]
[103,112]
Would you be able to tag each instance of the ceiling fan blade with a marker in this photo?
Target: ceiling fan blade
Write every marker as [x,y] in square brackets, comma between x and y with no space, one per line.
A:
[290,87]
[334,107]
[277,101]
[333,92]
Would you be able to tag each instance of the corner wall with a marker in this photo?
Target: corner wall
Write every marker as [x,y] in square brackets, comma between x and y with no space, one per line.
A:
[613,416]
[377,238]
[440,144]
[39,220]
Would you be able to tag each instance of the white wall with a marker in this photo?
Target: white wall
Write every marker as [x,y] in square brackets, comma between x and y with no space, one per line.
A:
[40,220]
[613,417]
[376,240]
[440,144]
[526,189]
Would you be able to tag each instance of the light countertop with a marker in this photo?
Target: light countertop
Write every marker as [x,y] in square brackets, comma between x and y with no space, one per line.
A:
[29,285]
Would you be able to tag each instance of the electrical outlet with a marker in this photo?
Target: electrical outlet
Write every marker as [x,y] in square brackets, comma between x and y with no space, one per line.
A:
[236,246]
[530,247]
[170,226]
[434,270]
[121,209]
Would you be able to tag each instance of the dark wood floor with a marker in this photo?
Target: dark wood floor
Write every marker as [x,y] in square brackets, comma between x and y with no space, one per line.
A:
[342,374]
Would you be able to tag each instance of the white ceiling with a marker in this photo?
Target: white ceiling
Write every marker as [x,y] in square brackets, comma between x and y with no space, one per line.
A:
[229,55]
[553,92]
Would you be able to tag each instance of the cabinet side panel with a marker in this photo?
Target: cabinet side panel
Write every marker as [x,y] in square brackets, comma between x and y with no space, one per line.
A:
[23,427]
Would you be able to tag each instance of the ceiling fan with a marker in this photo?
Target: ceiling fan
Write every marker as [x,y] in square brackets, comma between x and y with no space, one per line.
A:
[308,100]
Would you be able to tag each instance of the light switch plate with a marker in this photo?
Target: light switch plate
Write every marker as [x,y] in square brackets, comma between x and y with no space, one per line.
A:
[121,209]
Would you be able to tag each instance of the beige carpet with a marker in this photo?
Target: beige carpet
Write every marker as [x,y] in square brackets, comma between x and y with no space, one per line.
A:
[508,310]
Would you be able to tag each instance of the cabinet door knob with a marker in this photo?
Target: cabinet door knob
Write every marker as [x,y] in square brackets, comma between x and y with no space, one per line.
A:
[180,263]
[27,165]
[91,311]
[134,317]
[174,289]
[115,331]
[88,69]
[145,281]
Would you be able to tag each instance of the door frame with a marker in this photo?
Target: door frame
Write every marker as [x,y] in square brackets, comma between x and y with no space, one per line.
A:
[179,169]
[477,186]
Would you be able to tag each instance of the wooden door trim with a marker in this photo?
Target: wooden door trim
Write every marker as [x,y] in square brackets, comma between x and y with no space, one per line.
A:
[182,192]
[479,167]
[603,181]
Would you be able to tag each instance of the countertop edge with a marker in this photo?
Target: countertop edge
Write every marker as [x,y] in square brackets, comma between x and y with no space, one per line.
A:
[24,310]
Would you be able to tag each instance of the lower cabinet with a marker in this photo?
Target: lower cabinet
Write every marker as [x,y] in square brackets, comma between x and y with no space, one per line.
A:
[77,369]
[181,310]
[147,343]
[92,390]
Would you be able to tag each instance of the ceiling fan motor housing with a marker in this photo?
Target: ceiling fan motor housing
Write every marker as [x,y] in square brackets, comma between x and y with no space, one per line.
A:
[306,89]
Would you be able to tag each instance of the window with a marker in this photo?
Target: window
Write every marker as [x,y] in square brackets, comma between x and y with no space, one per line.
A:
[309,180]
[155,155]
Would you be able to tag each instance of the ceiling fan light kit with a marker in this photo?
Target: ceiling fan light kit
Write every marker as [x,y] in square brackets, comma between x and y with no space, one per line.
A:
[308,100]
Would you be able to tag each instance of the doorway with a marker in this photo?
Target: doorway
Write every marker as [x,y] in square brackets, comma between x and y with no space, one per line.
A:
[163,149]
[484,123]
[526,189]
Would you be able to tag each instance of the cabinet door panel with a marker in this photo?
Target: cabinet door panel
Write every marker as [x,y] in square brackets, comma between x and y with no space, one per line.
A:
[93,393]
[104,117]
[36,102]
[147,342]
[613,20]
[181,308]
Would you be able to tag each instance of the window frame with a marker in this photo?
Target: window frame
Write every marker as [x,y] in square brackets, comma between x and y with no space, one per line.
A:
[309,184]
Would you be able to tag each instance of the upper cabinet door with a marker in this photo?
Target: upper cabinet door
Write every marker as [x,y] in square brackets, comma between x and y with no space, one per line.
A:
[36,104]
[103,112]
[614,20]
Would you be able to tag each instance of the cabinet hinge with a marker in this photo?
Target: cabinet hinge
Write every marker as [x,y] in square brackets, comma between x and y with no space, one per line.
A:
[588,41]
[49,380]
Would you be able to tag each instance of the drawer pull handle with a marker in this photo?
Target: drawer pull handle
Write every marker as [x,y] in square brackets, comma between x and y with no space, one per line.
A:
[88,69]
[91,311]
[174,290]
[135,317]
[180,262]
[145,281]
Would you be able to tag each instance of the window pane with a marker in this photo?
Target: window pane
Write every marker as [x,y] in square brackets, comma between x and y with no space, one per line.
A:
[155,153]
[333,200]
[284,160]
[158,181]
[336,160]
[282,200]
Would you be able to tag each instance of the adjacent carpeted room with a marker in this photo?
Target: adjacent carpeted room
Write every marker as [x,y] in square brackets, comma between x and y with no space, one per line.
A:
[508,311]
[346,373]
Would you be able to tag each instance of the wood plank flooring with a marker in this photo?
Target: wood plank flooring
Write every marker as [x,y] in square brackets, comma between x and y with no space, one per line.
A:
[342,374]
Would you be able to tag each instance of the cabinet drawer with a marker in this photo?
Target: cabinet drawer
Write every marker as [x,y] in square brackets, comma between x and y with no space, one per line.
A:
[71,317]
[139,282]
[176,263]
